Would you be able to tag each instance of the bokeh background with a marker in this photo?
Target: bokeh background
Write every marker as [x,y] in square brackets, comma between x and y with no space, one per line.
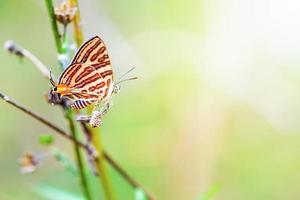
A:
[217,102]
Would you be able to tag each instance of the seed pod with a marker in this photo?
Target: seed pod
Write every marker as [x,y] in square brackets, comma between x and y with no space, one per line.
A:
[65,13]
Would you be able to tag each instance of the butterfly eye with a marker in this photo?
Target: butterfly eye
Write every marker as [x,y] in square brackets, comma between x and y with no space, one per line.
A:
[55,89]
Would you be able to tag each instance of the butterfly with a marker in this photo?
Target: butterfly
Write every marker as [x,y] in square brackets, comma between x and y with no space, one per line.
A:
[89,77]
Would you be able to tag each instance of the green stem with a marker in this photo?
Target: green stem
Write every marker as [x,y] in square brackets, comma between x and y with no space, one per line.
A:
[74,131]
[101,164]
[95,133]
[54,27]
[69,113]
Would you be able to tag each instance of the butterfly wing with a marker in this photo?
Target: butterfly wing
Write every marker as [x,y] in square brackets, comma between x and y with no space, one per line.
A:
[90,74]
[92,52]
[81,103]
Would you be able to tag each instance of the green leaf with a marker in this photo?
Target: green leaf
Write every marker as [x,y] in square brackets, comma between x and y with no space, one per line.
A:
[140,194]
[46,139]
[212,191]
[52,193]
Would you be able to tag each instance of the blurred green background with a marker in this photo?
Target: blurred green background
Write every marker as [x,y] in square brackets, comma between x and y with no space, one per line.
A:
[216,102]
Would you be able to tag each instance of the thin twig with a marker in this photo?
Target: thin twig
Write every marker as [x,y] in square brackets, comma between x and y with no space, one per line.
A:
[91,159]
[114,164]
[42,120]
[16,49]
[134,183]
[126,176]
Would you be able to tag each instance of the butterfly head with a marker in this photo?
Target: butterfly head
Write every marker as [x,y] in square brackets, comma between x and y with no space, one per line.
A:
[61,90]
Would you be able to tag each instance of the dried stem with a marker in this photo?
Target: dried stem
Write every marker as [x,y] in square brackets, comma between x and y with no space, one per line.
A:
[77,23]
[14,48]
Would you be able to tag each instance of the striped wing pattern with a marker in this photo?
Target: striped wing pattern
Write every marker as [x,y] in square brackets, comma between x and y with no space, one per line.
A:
[89,75]
[80,104]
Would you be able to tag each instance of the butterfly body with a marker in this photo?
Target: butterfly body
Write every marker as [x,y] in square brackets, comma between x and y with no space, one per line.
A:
[89,77]
[62,89]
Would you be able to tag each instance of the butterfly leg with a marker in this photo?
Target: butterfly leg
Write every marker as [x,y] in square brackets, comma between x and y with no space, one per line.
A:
[96,117]
[106,107]
[116,89]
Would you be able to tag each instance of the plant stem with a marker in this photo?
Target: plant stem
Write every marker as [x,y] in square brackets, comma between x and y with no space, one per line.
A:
[94,133]
[110,160]
[77,23]
[69,113]
[14,48]
[41,119]
[126,176]
[101,165]
[54,27]
[69,116]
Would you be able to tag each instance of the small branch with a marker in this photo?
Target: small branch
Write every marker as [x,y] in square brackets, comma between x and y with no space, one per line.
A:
[91,159]
[14,48]
[110,160]
[42,120]
[126,176]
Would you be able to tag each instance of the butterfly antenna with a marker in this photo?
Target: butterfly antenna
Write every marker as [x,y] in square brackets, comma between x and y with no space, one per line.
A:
[126,73]
[51,78]
[128,79]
